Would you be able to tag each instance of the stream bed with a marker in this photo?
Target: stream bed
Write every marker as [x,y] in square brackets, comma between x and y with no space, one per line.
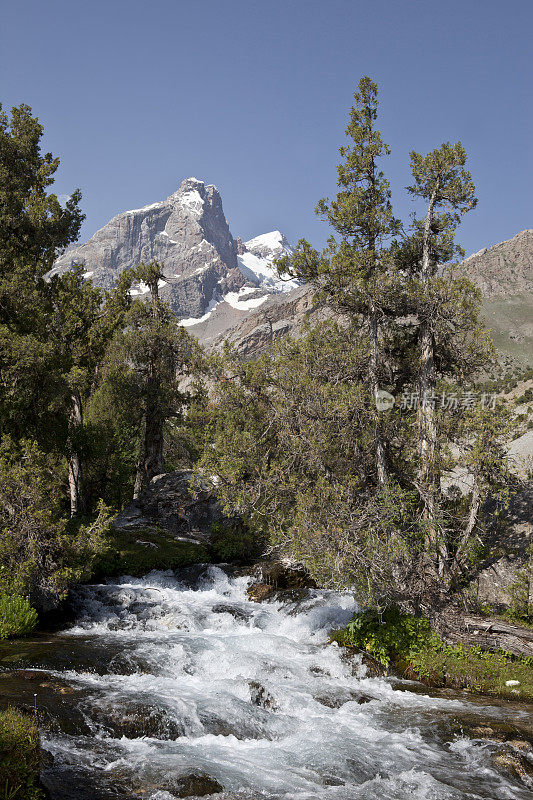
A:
[177,685]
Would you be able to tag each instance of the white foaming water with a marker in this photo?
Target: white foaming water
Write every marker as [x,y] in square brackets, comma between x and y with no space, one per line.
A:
[252,697]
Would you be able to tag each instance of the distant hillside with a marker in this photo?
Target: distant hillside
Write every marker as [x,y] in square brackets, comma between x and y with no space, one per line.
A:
[504,273]
[504,270]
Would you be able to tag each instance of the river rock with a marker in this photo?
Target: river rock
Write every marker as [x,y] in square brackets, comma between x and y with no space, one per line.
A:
[136,721]
[260,696]
[280,579]
[195,784]
[517,764]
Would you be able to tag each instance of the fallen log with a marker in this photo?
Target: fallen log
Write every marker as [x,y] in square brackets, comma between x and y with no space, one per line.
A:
[489,633]
[495,626]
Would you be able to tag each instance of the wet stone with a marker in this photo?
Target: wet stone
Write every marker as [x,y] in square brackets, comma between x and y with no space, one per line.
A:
[320,671]
[72,783]
[337,701]
[136,722]
[260,592]
[236,613]
[261,696]
[195,785]
[473,726]
[517,764]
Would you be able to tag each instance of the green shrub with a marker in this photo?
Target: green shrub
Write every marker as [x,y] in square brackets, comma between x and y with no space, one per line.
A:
[19,757]
[520,609]
[474,669]
[42,552]
[526,397]
[17,617]
[387,636]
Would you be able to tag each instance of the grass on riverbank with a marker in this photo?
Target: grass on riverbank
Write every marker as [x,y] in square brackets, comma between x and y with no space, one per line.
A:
[17,617]
[20,757]
[408,644]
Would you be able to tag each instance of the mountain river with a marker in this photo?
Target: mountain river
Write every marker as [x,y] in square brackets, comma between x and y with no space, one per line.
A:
[177,685]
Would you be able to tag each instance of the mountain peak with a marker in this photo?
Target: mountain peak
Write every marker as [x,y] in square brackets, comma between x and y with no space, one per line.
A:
[189,234]
[190,185]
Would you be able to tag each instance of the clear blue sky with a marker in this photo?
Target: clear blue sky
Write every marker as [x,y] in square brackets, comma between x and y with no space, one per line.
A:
[254,97]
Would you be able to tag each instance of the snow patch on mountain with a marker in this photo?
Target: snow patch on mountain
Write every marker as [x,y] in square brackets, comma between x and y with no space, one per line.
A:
[234,299]
[142,288]
[214,302]
[150,207]
[255,263]
[273,242]
[192,201]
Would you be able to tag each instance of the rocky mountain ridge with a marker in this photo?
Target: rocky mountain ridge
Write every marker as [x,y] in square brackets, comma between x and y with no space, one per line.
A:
[504,273]
[204,266]
[224,288]
[503,270]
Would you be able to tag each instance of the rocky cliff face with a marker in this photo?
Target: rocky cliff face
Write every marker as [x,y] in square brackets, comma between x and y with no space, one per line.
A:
[504,273]
[204,268]
[281,314]
[504,270]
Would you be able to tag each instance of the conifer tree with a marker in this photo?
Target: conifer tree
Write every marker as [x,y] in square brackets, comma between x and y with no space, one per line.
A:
[144,365]
[350,273]
[34,229]
[442,181]
[81,323]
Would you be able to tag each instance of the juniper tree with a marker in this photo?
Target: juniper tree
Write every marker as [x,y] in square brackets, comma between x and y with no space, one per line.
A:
[293,437]
[350,272]
[290,436]
[145,363]
[81,322]
[442,181]
[34,229]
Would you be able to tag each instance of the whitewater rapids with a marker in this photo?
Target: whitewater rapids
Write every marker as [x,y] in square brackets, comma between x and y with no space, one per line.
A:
[183,675]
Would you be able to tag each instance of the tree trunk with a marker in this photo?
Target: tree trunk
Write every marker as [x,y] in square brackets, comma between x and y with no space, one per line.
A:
[530,573]
[428,440]
[150,463]
[75,471]
[153,446]
[139,479]
[429,478]
[381,470]
[473,514]
[489,633]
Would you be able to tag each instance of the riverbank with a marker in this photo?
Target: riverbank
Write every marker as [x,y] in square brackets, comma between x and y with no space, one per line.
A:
[20,757]
[412,647]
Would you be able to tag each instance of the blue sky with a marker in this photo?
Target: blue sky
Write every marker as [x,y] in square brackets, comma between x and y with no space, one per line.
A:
[254,97]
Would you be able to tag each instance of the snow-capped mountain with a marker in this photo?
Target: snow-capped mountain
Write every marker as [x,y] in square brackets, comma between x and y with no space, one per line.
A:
[207,273]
